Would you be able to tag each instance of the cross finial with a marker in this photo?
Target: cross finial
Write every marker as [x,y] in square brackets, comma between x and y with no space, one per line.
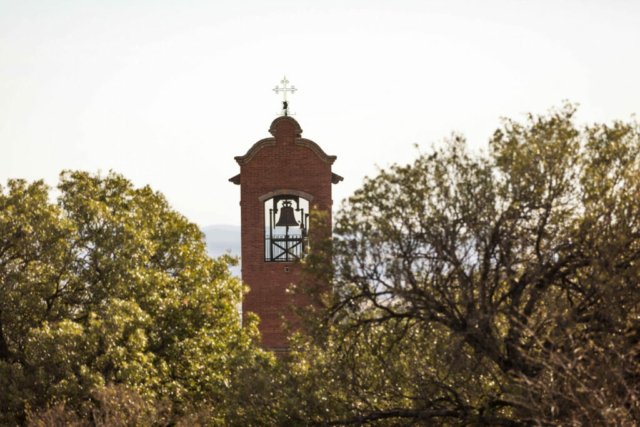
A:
[284,89]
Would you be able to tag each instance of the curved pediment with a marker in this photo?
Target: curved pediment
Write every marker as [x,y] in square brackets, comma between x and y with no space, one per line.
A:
[267,142]
[303,142]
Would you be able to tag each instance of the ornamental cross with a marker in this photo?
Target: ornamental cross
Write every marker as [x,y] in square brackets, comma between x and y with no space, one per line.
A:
[284,89]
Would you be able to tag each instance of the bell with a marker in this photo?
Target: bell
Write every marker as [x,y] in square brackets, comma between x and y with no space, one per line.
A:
[287,217]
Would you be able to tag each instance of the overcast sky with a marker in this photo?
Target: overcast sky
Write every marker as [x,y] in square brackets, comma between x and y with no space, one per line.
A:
[168,92]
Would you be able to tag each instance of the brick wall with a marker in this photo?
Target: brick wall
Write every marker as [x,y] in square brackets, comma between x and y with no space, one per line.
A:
[290,163]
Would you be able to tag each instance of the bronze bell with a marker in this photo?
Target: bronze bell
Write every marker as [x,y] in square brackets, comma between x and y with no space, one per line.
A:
[287,217]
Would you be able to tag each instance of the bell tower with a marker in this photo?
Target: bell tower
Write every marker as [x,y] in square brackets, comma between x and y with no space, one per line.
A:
[282,179]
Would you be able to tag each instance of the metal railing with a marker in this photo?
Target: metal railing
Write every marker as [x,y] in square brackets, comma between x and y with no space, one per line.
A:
[284,248]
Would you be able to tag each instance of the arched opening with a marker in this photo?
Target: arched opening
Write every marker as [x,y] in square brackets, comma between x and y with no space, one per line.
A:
[286,228]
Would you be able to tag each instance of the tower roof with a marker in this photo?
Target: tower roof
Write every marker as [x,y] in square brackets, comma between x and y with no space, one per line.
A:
[297,132]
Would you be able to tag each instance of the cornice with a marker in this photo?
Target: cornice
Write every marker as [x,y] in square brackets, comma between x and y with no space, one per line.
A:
[267,142]
[335,178]
[235,179]
[300,142]
[303,142]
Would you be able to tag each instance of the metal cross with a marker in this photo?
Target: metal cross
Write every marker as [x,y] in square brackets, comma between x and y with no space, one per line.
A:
[284,89]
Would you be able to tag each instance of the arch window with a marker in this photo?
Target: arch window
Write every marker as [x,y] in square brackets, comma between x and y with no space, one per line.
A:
[286,228]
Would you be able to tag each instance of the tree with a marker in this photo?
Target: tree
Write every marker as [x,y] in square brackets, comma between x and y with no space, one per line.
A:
[481,289]
[467,289]
[111,286]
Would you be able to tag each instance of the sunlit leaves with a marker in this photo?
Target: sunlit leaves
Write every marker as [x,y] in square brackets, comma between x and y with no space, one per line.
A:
[110,285]
[494,289]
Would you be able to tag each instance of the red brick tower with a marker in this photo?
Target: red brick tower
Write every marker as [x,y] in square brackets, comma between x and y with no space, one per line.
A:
[281,179]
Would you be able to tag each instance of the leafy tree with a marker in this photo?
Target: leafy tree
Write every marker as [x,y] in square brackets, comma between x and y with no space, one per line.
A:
[110,285]
[479,289]
[467,289]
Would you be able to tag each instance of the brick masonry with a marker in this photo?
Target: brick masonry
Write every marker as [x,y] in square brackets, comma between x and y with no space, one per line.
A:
[285,162]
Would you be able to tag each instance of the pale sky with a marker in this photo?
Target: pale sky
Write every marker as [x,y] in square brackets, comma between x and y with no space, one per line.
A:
[168,92]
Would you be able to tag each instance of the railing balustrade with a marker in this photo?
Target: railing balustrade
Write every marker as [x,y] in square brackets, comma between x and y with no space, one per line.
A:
[283,248]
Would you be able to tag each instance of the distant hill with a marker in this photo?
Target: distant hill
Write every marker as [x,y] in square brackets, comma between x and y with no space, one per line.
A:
[220,239]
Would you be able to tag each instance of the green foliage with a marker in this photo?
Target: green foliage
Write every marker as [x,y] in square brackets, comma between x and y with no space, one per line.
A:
[499,288]
[489,289]
[110,285]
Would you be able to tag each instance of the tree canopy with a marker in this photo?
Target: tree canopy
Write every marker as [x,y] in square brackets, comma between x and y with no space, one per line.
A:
[496,288]
[492,288]
[108,292]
